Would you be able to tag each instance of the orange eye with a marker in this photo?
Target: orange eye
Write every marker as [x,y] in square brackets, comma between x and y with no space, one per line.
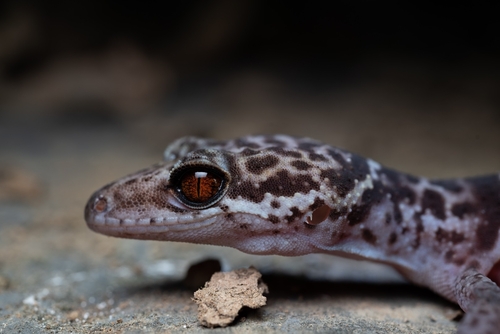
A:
[199,186]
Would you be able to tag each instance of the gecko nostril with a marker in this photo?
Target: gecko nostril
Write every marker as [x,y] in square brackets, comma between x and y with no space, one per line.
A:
[100,205]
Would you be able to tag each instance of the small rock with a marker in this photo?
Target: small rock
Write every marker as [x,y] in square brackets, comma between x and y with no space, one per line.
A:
[72,316]
[223,297]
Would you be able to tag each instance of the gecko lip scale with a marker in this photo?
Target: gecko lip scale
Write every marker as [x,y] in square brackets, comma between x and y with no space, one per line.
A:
[98,219]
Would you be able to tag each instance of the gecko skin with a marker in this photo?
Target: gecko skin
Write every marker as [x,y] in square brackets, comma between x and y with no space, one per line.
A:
[293,196]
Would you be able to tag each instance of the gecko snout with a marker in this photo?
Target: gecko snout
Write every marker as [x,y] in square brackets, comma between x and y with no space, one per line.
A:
[97,205]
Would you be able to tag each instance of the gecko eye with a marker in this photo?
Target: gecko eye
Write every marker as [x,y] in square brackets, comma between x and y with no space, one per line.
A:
[198,187]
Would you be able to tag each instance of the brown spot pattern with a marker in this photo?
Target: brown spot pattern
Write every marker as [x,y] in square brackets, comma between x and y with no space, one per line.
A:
[461,209]
[368,236]
[281,184]
[487,192]
[393,237]
[316,157]
[370,198]
[447,236]
[418,231]
[257,165]
[433,201]
[275,204]
[301,165]
[295,215]
[285,153]
[344,178]
[273,219]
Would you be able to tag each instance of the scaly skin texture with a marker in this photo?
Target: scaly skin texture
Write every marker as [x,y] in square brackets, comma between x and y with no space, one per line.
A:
[292,196]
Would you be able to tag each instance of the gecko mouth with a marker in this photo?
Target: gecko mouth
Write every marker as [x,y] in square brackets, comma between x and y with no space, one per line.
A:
[97,216]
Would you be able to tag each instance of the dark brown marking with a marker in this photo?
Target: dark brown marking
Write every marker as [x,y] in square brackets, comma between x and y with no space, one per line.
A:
[370,198]
[338,157]
[257,165]
[316,157]
[368,236]
[461,209]
[275,204]
[344,179]
[358,214]
[433,201]
[405,193]
[285,153]
[398,216]
[281,184]
[487,192]
[441,234]
[129,182]
[388,218]
[273,219]
[316,204]
[301,165]
[392,176]
[243,226]
[447,236]
[336,214]
[393,237]
[295,214]
[248,152]
[418,231]
[448,256]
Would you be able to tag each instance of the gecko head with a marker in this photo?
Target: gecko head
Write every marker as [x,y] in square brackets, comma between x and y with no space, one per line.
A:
[166,201]
[260,197]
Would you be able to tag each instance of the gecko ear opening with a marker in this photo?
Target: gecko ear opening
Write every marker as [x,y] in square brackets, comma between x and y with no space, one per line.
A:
[319,215]
[198,185]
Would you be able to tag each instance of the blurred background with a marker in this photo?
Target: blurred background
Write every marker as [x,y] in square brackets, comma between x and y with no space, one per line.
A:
[366,76]
[90,91]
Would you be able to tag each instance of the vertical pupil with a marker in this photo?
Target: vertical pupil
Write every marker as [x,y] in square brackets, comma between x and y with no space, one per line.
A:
[199,187]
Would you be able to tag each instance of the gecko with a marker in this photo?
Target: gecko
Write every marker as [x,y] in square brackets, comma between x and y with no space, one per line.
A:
[278,194]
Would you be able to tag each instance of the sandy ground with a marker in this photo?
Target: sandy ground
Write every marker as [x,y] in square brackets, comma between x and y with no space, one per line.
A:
[57,276]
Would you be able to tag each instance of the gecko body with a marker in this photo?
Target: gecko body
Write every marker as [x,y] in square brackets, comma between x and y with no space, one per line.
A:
[293,196]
